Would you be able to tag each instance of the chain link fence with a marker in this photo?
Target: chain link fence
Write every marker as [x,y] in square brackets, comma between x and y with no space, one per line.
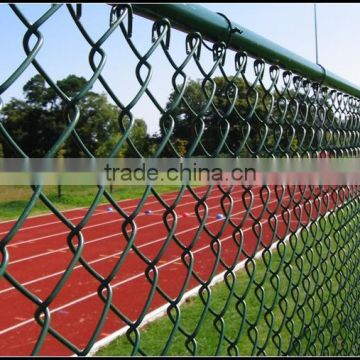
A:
[297,289]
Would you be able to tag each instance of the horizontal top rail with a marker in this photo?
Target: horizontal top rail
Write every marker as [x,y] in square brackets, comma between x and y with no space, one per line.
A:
[214,27]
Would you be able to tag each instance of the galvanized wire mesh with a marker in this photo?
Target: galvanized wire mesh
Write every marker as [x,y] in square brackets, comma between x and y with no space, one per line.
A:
[306,299]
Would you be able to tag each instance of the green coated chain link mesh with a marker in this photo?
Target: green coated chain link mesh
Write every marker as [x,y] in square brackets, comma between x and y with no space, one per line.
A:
[298,290]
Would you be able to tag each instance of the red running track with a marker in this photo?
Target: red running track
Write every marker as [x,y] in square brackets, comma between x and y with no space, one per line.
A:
[39,254]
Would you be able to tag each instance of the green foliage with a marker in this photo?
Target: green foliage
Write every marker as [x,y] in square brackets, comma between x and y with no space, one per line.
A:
[138,138]
[219,118]
[33,126]
[181,146]
[38,121]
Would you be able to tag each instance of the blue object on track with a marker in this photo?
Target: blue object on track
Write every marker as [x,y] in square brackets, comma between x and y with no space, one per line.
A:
[110,209]
[148,212]
[220,216]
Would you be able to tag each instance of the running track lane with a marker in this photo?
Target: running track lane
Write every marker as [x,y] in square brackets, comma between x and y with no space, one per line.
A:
[39,254]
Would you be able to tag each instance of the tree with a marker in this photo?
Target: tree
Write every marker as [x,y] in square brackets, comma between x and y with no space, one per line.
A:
[36,122]
[241,137]
[138,136]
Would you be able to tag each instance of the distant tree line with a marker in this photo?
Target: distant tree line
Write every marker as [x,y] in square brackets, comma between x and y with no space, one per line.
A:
[37,121]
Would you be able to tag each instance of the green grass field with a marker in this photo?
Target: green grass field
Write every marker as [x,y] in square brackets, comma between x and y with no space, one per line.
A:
[13,199]
[297,300]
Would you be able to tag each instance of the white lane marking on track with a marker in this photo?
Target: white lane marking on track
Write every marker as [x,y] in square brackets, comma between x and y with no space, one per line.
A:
[85,208]
[80,217]
[112,255]
[22,242]
[102,259]
[89,241]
